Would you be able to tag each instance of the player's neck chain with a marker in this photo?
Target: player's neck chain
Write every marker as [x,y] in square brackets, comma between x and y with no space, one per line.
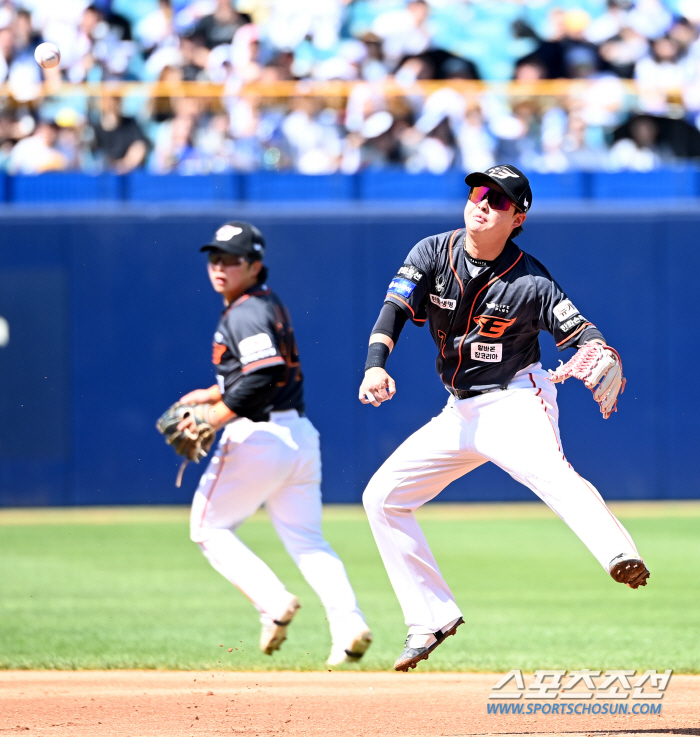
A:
[471,259]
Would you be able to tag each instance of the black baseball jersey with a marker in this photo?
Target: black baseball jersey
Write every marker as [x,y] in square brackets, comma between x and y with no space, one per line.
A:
[486,328]
[255,333]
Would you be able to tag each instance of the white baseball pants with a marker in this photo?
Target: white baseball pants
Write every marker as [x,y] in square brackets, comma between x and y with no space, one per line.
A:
[277,463]
[517,429]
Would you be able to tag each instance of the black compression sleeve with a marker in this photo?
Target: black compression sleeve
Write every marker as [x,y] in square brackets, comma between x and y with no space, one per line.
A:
[251,395]
[377,355]
[390,321]
[590,333]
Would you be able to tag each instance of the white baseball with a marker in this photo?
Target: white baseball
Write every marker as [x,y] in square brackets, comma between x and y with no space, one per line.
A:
[47,55]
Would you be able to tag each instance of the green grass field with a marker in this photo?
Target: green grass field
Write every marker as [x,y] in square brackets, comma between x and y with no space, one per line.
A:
[126,588]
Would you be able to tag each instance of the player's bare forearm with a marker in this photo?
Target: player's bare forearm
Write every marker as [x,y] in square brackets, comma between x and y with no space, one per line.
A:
[219,415]
[202,396]
[377,386]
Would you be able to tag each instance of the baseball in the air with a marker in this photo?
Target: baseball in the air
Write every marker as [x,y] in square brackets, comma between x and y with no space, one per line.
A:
[47,55]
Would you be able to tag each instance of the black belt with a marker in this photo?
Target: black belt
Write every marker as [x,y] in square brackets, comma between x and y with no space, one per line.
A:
[461,394]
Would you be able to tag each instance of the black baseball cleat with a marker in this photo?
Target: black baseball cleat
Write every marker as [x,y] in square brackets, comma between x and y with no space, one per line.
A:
[419,647]
[629,569]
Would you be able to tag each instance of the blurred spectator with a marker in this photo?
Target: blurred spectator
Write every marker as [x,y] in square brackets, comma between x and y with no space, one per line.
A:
[219,27]
[611,23]
[373,66]
[566,53]
[244,52]
[37,153]
[313,136]
[374,147]
[157,28]
[582,153]
[175,151]
[530,69]
[623,51]
[103,48]
[293,24]
[195,56]
[660,75]
[642,151]
[476,143]
[404,32]
[119,139]
[70,140]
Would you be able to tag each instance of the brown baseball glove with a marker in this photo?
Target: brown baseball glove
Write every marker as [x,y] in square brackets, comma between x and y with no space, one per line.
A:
[192,444]
[599,367]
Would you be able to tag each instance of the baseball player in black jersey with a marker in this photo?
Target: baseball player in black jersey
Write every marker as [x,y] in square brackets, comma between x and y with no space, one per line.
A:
[485,302]
[268,452]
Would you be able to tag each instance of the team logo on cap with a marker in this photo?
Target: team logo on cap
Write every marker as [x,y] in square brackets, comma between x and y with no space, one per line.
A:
[501,172]
[226,232]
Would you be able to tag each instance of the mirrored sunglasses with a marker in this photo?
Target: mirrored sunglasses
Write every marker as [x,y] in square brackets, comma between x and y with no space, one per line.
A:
[225,259]
[497,200]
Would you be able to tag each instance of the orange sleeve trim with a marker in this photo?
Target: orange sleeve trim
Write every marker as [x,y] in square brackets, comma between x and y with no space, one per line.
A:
[273,361]
[393,296]
[577,331]
[459,281]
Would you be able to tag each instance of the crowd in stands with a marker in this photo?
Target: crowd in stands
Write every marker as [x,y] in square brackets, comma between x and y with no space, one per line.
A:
[597,122]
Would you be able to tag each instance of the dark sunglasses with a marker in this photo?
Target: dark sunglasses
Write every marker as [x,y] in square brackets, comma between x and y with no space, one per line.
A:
[225,259]
[497,200]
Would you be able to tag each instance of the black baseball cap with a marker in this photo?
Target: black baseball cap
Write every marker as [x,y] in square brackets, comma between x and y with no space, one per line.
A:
[511,180]
[239,238]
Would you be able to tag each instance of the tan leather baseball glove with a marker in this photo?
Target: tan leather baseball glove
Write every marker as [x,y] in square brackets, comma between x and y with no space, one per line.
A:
[599,367]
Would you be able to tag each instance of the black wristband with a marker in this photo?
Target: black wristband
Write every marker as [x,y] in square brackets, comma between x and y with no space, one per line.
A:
[377,355]
[588,334]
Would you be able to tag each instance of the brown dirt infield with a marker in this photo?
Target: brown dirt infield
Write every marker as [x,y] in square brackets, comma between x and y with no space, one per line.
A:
[189,704]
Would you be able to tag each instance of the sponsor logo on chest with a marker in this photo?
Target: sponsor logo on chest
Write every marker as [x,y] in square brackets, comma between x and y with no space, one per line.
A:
[487,352]
[445,304]
[498,308]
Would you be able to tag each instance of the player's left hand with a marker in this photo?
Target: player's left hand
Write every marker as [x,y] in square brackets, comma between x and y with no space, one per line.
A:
[376,387]
[188,429]
[600,368]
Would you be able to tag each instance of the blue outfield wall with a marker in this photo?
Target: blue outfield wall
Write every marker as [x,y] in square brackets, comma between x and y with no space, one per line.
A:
[111,319]
[367,186]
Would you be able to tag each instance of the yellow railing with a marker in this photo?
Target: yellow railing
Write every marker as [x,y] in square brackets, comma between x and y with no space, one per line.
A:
[313,88]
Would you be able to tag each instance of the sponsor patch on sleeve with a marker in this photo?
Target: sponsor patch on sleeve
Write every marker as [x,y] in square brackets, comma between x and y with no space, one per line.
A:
[572,323]
[487,352]
[564,310]
[410,272]
[256,347]
[401,287]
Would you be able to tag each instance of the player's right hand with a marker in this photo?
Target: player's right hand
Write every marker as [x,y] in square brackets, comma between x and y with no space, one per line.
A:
[376,387]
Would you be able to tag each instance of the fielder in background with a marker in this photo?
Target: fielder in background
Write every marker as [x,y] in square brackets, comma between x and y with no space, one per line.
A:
[268,452]
[485,301]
